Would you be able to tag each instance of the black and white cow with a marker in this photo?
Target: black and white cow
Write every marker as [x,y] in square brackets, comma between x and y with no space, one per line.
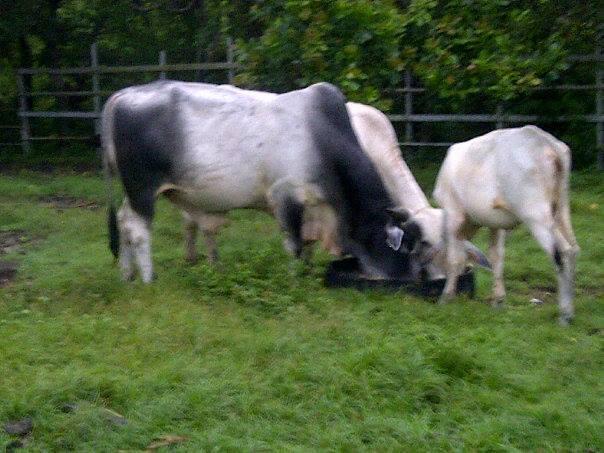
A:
[210,149]
[417,227]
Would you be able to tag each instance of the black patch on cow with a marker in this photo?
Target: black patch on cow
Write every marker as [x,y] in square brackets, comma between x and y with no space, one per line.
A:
[413,235]
[114,232]
[557,257]
[293,217]
[357,193]
[147,145]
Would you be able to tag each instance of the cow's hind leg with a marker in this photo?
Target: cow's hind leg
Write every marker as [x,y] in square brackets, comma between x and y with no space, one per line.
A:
[496,255]
[209,238]
[126,256]
[210,225]
[135,243]
[191,228]
[563,254]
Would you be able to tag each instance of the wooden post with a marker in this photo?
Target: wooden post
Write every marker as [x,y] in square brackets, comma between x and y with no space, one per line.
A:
[499,114]
[25,131]
[230,59]
[198,58]
[96,100]
[600,123]
[408,107]
[599,101]
[162,62]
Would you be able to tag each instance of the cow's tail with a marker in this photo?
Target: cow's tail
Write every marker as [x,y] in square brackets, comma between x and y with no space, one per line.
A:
[109,169]
[562,210]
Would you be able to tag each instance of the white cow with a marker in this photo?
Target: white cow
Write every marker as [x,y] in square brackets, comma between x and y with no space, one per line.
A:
[502,179]
[421,223]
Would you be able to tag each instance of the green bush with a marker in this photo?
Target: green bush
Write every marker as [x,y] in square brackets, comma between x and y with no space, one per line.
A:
[353,44]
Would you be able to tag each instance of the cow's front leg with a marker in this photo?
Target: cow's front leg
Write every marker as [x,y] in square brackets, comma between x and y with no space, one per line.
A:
[287,204]
[455,255]
[496,255]
[456,260]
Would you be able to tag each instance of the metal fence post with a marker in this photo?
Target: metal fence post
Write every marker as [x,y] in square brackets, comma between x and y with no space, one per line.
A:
[25,131]
[599,100]
[162,62]
[499,115]
[96,100]
[198,58]
[408,107]
[230,59]
[599,122]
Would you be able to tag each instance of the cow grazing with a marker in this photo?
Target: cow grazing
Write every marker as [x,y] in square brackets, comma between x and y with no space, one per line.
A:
[502,179]
[419,225]
[210,149]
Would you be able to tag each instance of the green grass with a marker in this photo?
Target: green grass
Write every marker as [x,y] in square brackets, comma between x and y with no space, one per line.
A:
[257,355]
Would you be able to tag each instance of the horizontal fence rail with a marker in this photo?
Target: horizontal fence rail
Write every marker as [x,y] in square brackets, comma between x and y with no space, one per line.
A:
[486,118]
[95,70]
[128,69]
[408,117]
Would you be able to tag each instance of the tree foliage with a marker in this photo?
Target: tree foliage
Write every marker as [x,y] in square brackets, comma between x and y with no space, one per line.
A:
[493,48]
[354,44]
[468,53]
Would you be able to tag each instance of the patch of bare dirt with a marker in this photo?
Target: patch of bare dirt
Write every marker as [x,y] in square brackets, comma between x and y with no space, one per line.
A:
[61,202]
[8,272]
[12,241]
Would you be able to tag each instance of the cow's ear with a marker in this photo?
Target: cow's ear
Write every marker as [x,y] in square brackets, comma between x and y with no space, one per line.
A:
[476,255]
[394,236]
[399,215]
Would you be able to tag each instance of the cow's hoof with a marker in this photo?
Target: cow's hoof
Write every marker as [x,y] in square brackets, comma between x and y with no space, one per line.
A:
[444,300]
[149,278]
[129,277]
[498,302]
[217,266]
[565,320]
[191,260]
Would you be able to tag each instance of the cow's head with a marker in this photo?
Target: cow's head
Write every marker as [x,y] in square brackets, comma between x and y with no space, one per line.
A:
[421,236]
[405,234]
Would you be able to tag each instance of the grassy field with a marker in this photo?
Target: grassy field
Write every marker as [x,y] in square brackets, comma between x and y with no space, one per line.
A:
[257,355]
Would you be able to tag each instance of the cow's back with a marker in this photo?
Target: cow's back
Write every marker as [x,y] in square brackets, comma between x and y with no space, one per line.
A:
[222,145]
[491,176]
